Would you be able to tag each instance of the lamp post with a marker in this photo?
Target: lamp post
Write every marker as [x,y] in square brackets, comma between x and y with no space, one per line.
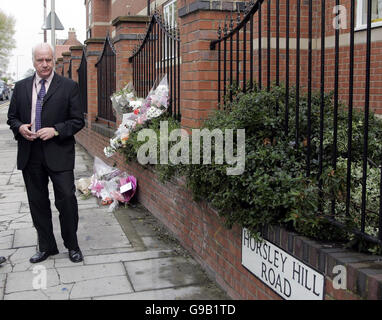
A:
[53,25]
[45,33]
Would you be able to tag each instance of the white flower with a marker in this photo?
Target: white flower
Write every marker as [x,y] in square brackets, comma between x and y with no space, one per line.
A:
[108,151]
[115,143]
[130,124]
[129,96]
[153,112]
[136,104]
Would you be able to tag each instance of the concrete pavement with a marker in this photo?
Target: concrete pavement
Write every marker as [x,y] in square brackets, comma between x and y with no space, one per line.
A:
[127,254]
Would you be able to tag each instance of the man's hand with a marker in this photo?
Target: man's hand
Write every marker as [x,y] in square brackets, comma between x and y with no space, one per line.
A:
[26,133]
[45,133]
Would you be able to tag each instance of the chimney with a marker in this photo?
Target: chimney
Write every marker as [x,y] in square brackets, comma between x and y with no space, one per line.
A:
[72,34]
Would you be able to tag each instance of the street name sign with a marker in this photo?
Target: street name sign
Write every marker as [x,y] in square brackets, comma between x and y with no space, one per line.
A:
[289,277]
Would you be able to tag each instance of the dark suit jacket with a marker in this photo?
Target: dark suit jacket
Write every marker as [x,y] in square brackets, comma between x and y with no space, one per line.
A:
[61,109]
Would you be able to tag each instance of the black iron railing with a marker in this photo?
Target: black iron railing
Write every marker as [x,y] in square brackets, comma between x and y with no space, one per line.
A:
[70,69]
[83,81]
[106,81]
[157,55]
[243,66]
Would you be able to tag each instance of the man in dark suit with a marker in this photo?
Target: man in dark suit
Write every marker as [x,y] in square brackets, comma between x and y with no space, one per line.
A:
[44,114]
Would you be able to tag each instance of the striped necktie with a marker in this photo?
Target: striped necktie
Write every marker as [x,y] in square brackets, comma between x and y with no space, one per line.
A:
[40,98]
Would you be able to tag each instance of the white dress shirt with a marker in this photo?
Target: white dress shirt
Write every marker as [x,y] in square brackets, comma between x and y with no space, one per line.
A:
[35,90]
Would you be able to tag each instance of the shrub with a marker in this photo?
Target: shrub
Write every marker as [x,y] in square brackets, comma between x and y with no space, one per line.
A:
[275,187]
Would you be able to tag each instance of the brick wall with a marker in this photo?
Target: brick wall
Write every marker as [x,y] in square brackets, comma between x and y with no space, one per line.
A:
[127,32]
[93,52]
[66,62]
[76,56]
[59,66]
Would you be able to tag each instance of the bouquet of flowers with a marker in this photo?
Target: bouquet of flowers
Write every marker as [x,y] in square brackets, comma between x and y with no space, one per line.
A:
[154,105]
[125,100]
[111,185]
[138,111]
[121,135]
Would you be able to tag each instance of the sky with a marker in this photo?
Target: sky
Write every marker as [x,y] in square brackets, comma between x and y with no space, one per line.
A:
[29,15]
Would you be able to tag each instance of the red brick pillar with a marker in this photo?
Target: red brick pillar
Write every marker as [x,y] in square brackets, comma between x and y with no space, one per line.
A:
[66,62]
[59,65]
[199,64]
[127,31]
[94,48]
[76,56]
[100,24]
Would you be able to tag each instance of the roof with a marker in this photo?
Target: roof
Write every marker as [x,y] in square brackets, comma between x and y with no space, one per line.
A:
[63,45]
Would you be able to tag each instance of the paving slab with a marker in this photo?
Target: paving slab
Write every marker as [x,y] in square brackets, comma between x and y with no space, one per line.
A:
[20,259]
[178,293]
[25,281]
[10,207]
[59,292]
[102,237]
[128,256]
[163,273]
[90,272]
[25,238]
[100,287]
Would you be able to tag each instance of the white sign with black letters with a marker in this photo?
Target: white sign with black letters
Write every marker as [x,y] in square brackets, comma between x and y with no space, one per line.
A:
[289,277]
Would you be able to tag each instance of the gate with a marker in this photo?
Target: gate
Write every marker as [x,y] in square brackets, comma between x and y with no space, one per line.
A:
[83,82]
[70,69]
[106,82]
[157,55]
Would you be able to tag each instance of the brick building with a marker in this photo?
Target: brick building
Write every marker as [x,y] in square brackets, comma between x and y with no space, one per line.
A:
[116,27]
[63,53]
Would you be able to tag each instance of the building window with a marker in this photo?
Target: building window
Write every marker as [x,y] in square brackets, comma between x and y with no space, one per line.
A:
[170,14]
[90,18]
[376,13]
[170,17]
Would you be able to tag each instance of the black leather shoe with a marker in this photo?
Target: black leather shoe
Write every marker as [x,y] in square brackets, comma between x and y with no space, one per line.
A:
[75,255]
[2,259]
[41,256]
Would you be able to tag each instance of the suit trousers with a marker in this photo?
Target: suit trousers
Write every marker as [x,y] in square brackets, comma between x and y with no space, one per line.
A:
[36,177]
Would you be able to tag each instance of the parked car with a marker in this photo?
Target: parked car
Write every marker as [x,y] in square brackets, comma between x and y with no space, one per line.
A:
[4,91]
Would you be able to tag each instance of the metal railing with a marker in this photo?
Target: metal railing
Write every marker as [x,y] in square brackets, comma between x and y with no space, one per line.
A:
[83,81]
[70,69]
[158,54]
[250,58]
[106,81]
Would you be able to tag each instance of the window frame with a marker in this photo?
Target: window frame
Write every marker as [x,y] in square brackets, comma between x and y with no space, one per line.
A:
[90,13]
[359,10]
[173,24]
[167,6]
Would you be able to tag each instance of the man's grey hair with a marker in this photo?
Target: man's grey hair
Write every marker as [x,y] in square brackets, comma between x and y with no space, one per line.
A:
[43,45]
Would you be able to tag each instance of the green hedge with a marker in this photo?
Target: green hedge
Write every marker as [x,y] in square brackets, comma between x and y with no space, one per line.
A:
[274,188]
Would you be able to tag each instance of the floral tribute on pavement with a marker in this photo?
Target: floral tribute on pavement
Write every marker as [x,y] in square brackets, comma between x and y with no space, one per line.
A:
[110,184]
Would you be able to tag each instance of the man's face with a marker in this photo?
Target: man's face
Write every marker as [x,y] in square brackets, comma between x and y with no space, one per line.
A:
[43,62]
